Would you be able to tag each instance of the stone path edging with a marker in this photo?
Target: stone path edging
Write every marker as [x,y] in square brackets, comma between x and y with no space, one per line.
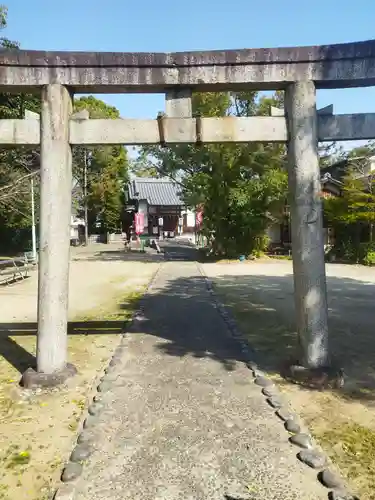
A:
[310,453]
[86,437]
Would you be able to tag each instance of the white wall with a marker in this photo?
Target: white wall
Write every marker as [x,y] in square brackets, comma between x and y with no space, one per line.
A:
[273,233]
[190,217]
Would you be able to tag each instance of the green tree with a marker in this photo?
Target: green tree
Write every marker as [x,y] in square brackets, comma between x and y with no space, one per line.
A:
[353,213]
[17,166]
[242,187]
[107,172]
[142,166]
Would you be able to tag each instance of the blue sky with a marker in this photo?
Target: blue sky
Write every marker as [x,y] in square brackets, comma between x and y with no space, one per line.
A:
[166,25]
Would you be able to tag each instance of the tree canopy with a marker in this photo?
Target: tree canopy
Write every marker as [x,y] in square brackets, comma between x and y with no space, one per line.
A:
[107,171]
[241,187]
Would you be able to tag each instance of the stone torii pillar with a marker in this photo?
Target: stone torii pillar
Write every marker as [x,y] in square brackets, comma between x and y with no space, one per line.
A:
[54,239]
[310,288]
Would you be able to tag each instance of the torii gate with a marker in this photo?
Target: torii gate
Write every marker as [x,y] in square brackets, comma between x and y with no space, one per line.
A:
[297,70]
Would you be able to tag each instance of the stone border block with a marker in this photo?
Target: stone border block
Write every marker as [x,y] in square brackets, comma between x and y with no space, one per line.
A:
[32,379]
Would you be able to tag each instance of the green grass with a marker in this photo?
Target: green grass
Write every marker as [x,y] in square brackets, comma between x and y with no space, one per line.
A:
[353,449]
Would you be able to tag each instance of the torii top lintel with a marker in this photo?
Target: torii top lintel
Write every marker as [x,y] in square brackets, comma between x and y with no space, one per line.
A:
[329,66]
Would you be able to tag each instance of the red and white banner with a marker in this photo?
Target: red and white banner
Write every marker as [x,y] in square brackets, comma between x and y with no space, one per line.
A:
[139,222]
[199,218]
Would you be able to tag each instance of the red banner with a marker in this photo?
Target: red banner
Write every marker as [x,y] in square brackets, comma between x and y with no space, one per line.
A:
[139,222]
[199,218]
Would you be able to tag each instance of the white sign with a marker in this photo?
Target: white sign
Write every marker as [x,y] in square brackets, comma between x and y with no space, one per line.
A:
[160,221]
[180,221]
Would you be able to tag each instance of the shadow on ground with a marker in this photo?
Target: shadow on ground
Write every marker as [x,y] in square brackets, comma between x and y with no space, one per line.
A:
[121,255]
[264,309]
[22,359]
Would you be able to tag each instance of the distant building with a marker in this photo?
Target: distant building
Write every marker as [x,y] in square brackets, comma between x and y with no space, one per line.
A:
[331,183]
[160,201]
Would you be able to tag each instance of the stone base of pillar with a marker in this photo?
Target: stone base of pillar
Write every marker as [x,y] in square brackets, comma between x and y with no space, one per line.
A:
[32,379]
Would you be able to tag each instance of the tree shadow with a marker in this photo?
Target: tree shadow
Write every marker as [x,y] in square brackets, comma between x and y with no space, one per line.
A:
[263,306]
[21,359]
[121,255]
[181,314]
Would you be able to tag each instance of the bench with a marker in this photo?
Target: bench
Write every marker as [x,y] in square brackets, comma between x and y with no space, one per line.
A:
[13,270]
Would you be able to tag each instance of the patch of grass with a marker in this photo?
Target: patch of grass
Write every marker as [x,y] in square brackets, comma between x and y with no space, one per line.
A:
[17,459]
[280,257]
[352,447]
[119,308]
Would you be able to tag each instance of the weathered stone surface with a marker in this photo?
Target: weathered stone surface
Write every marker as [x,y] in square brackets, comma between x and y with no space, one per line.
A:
[95,409]
[114,362]
[90,421]
[330,479]
[252,365]
[313,458]
[285,414]
[271,391]
[104,386]
[86,436]
[275,402]
[154,72]
[302,440]
[110,369]
[263,381]
[32,379]
[65,492]
[80,453]
[258,373]
[71,472]
[292,426]
[341,495]
[98,397]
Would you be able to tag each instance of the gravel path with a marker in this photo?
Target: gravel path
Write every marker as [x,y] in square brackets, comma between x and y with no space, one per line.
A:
[183,418]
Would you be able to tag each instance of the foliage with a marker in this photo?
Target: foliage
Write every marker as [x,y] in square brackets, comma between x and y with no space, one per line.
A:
[353,213]
[17,166]
[106,169]
[142,166]
[369,259]
[242,187]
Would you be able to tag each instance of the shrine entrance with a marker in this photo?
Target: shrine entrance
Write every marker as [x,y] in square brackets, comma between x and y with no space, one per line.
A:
[297,70]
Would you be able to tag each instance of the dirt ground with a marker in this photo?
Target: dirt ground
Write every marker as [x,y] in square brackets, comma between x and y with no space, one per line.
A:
[37,429]
[260,295]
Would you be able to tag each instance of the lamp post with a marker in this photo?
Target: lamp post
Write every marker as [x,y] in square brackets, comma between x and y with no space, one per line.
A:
[33,230]
[87,163]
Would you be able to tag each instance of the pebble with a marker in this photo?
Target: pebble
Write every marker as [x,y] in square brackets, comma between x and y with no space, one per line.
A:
[271,391]
[65,492]
[80,453]
[71,472]
[312,458]
[302,440]
[275,402]
[263,381]
[330,479]
[292,426]
[341,495]
[285,414]
[104,386]
[85,437]
[110,369]
[95,409]
[89,422]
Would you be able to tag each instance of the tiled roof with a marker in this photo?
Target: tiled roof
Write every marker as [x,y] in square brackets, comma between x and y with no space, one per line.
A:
[162,191]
